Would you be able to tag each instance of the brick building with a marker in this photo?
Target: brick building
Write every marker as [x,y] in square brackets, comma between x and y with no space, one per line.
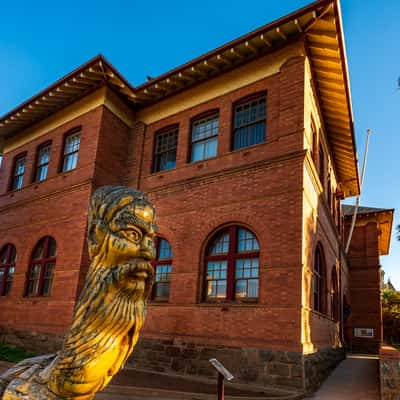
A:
[247,152]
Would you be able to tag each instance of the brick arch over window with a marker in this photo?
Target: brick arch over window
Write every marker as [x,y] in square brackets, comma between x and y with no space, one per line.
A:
[41,269]
[162,270]
[8,256]
[319,280]
[232,265]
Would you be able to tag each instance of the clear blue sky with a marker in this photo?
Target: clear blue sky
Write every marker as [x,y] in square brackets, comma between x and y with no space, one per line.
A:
[44,40]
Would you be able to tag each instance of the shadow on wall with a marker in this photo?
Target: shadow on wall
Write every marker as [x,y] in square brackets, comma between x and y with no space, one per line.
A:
[321,302]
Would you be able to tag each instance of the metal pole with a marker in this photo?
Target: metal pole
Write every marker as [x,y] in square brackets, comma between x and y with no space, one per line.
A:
[221,395]
[353,222]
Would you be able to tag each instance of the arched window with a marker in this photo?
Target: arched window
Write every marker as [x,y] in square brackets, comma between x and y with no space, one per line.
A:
[8,256]
[232,265]
[318,280]
[41,271]
[334,295]
[162,268]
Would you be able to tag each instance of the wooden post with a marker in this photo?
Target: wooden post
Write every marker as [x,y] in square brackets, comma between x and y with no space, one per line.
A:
[220,392]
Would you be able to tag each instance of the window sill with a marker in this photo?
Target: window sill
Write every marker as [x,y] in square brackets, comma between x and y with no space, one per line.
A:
[228,303]
[158,302]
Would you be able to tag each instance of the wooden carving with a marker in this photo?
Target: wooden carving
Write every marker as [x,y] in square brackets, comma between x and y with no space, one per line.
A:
[111,310]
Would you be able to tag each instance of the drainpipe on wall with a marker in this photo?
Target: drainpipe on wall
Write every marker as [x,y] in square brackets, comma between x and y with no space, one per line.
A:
[353,222]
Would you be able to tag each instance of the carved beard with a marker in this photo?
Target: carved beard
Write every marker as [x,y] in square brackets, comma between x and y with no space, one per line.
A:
[110,309]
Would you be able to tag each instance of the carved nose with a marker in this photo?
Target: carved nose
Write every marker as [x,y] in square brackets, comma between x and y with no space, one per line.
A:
[148,247]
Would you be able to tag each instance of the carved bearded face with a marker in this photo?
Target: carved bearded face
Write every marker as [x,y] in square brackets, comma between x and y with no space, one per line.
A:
[111,309]
[121,236]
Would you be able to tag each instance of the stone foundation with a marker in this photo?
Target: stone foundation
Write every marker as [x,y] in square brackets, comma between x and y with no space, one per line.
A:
[265,367]
[319,365]
[389,366]
[36,342]
[248,365]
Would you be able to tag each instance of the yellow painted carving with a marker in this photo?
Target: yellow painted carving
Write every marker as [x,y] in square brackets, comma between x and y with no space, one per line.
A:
[111,310]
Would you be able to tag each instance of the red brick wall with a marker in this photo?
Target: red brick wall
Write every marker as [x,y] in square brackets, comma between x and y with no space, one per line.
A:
[55,207]
[364,284]
[259,187]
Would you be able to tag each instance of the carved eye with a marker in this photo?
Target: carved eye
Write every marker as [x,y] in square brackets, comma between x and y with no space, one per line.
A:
[133,235]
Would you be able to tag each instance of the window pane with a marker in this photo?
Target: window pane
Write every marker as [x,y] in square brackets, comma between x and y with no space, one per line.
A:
[3,255]
[34,279]
[197,151]
[43,163]
[9,279]
[162,289]
[39,251]
[204,138]
[253,288]
[44,155]
[221,245]
[165,250]
[210,148]
[241,288]
[48,278]
[246,276]
[41,174]
[19,171]
[52,248]
[247,241]
[165,150]
[72,143]
[205,127]
[216,279]
[71,151]
[20,166]
[249,123]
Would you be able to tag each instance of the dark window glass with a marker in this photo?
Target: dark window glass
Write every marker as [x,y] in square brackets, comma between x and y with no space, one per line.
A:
[165,150]
[205,138]
[19,170]
[41,271]
[334,295]
[232,269]
[8,256]
[318,280]
[249,123]
[42,166]
[71,151]
[162,268]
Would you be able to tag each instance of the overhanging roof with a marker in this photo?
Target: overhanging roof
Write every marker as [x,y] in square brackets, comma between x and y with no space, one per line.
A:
[382,216]
[319,24]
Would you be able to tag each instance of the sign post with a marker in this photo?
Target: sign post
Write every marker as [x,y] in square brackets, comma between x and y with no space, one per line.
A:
[223,373]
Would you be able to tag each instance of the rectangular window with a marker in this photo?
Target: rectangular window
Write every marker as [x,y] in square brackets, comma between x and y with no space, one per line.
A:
[165,150]
[162,282]
[71,150]
[19,170]
[249,123]
[205,138]
[43,160]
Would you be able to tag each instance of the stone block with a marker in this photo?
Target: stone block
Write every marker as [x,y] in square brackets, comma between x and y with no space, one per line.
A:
[278,368]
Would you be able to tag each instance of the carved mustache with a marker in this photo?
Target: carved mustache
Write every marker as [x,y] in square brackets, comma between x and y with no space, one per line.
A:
[138,268]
